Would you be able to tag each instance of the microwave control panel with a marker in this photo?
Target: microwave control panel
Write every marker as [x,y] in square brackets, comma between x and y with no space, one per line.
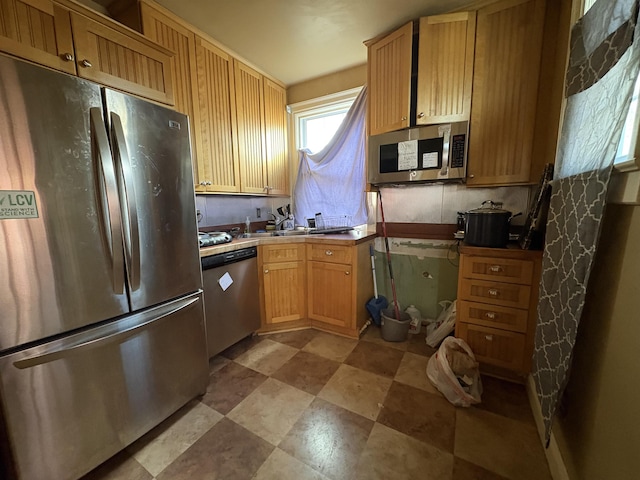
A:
[457,151]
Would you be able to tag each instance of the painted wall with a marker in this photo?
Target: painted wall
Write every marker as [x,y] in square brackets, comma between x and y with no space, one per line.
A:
[228,209]
[598,427]
[327,84]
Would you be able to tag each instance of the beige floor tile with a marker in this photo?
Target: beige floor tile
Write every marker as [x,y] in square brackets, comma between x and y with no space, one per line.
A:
[162,445]
[267,356]
[271,410]
[372,334]
[413,371]
[330,346]
[499,444]
[393,455]
[282,466]
[356,390]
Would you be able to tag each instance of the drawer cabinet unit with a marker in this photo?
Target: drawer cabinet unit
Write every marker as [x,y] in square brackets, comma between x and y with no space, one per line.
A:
[283,285]
[339,285]
[497,301]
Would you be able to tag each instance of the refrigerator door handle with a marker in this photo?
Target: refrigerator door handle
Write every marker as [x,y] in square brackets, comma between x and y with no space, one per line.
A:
[108,194]
[130,208]
[103,335]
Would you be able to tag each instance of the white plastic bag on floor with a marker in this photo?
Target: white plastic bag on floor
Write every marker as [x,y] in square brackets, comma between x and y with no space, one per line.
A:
[444,324]
[453,370]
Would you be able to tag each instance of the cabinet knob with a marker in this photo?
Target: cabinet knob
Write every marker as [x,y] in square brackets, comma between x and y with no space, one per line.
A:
[86,63]
[488,338]
[495,268]
[472,176]
[205,183]
[404,118]
[328,252]
[490,315]
[494,292]
[266,270]
[67,57]
[347,272]
[421,114]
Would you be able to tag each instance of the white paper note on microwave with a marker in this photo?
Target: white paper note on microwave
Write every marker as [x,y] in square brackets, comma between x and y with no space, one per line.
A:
[408,155]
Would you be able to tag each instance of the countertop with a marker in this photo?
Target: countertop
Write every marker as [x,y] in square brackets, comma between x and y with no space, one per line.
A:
[354,237]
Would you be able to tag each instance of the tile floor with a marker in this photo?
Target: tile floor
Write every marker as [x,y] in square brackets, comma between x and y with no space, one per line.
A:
[309,405]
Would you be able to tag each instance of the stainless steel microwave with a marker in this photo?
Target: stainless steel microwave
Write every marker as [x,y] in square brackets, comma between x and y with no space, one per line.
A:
[431,153]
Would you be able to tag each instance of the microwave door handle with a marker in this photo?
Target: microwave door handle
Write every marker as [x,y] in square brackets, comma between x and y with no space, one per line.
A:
[107,197]
[445,132]
[130,208]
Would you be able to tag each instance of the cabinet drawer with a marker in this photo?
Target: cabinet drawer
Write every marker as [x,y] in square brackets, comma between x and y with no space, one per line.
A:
[493,346]
[498,269]
[494,293]
[329,253]
[505,318]
[282,253]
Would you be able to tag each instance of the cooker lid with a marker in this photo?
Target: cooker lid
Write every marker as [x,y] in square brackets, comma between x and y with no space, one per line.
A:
[490,207]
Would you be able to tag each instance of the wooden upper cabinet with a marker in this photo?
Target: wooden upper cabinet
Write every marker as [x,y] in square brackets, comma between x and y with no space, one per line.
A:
[37,30]
[275,119]
[218,169]
[390,81]
[112,58]
[168,33]
[505,90]
[180,41]
[250,115]
[445,68]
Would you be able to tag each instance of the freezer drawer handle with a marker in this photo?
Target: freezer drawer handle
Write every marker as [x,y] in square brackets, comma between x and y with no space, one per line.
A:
[108,193]
[129,206]
[94,341]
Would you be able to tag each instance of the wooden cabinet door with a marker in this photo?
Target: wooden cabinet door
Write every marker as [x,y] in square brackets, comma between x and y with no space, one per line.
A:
[182,43]
[112,58]
[505,89]
[330,293]
[250,112]
[37,30]
[275,120]
[445,68]
[390,81]
[284,291]
[218,169]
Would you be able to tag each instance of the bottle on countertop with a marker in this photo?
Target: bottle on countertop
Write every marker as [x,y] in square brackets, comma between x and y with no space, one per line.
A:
[247,225]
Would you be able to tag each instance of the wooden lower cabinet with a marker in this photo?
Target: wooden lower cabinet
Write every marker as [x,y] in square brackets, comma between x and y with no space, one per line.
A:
[322,285]
[497,307]
[283,284]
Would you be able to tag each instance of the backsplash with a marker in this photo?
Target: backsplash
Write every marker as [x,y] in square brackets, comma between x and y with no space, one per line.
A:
[230,209]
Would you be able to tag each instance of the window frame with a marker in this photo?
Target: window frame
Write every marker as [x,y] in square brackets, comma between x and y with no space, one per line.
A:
[309,108]
[625,180]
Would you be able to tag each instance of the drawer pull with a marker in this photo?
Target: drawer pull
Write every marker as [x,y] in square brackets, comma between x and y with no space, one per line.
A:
[347,273]
[490,315]
[494,292]
[266,270]
[328,252]
[488,338]
[86,63]
[495,268]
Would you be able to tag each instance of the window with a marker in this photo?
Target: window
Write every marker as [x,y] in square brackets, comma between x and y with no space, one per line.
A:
[314,122]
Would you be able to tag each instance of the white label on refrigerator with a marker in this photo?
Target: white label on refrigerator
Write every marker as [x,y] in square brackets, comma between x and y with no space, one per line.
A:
[408,155]
[225,281]
[430,160]
[18,204]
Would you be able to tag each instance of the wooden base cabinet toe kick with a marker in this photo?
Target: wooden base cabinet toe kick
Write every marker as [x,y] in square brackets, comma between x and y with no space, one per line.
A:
[497,307]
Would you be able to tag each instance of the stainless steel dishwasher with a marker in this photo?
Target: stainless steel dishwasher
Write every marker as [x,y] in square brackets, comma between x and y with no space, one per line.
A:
[231,298]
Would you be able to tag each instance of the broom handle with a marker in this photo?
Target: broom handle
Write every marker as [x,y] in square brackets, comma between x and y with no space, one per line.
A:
[373,270]
[386,244]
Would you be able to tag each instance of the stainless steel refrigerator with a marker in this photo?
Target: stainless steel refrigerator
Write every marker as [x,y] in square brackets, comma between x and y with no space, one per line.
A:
[101,317]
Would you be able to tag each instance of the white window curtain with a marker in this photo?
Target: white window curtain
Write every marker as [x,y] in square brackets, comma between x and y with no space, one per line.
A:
[603,66]
[332,181]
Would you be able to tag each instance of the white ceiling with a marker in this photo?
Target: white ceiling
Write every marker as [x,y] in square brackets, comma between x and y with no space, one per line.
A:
[297,40]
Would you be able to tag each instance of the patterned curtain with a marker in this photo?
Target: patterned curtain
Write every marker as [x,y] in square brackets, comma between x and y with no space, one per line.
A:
[602,70]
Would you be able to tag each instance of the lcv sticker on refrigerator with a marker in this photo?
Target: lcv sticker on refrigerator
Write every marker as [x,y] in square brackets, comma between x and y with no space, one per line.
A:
[17,204]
